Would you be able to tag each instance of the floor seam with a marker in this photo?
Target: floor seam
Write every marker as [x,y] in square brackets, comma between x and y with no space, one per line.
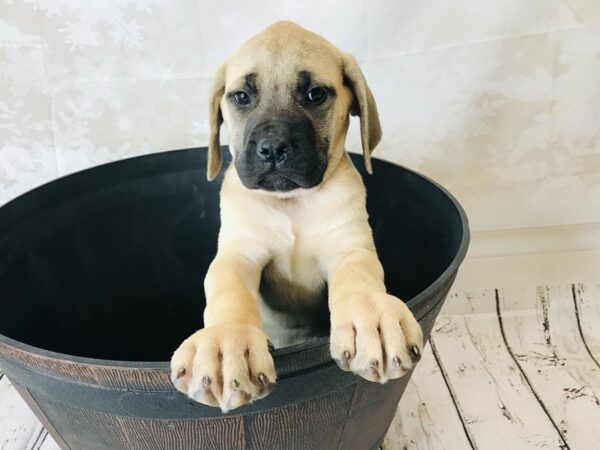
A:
[452,394]
[564,445]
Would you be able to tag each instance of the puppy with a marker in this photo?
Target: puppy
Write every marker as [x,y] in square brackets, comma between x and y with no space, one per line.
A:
[294,238]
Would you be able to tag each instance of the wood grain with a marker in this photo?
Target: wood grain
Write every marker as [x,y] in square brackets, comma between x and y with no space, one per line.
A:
[129,378]
[308,425]
[497,406]
[225,433]
[64,368]
[426,417]
[542,332]
[587,304]
[84,429]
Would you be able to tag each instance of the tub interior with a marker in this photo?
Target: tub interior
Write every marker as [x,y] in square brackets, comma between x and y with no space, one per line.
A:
[109,263]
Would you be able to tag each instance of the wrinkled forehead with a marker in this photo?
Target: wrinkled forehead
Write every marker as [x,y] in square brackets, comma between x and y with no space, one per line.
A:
[277,64]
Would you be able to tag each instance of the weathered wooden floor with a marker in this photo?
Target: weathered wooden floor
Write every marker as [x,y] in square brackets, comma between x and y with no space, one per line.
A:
[506,369]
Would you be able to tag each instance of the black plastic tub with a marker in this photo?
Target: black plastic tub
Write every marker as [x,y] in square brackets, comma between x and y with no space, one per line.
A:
[101,278]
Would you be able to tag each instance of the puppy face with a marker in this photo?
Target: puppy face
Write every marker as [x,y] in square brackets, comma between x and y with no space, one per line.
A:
[285,97]
[281,127]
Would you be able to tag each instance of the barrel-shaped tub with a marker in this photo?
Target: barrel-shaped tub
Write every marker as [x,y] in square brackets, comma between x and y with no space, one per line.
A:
[101,278]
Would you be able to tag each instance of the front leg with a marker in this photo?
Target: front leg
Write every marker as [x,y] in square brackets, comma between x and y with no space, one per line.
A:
[373,334]
[227,363]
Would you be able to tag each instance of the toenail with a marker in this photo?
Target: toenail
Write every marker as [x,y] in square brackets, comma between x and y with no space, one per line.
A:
[263,379]
[415,353]
[346,358]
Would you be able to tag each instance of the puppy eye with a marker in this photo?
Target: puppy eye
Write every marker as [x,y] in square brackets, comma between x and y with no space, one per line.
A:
[241,98]
[316,96]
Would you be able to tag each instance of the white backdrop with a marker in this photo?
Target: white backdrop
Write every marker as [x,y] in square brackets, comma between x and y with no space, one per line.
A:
[497,100]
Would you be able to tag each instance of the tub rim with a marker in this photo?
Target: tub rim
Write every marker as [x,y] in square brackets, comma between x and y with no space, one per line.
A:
[317,345]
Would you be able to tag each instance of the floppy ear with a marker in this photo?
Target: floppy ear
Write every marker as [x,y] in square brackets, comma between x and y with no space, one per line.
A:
[215,119]
[363,105]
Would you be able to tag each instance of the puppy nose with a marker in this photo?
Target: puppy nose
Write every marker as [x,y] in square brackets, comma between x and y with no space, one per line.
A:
[272,149]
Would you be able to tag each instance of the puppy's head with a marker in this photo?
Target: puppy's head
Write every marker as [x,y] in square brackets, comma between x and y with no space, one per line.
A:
[286,96]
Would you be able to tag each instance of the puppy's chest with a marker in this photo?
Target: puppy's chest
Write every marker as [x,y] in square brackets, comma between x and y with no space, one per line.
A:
[294,263]
[293,274]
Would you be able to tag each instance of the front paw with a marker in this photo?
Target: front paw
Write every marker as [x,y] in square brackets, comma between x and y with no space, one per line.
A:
[224,365]
[375,336]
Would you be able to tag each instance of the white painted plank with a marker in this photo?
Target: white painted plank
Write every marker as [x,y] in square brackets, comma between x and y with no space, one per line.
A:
[426,417]
[587,297]
[49,444]
[542,331]
[499,409]
[19,428]
[36,441]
